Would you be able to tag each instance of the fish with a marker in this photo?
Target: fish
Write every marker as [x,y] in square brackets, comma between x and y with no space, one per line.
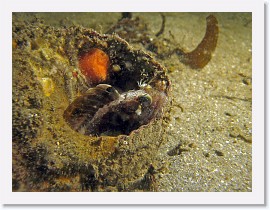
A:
[103,110]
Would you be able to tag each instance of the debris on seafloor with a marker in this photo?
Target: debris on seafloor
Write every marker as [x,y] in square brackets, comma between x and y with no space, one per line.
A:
[162,25]
[134,30]
[199,57]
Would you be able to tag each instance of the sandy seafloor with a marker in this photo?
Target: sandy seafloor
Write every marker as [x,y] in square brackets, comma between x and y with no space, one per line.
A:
[209,145]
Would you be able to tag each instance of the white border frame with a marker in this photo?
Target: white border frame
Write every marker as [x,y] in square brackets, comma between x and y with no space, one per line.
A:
[255,6]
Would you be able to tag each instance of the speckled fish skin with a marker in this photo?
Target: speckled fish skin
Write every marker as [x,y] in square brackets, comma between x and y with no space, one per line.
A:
[103,111]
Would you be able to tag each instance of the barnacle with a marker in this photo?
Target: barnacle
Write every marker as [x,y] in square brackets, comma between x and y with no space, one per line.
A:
[132,97]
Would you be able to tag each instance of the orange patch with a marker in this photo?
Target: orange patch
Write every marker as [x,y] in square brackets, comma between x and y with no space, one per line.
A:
[94,65]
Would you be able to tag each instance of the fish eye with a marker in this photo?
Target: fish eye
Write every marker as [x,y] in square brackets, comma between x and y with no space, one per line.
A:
[110,89]
[145,100]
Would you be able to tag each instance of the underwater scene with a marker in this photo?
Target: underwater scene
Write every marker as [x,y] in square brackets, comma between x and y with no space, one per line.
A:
[132,102]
